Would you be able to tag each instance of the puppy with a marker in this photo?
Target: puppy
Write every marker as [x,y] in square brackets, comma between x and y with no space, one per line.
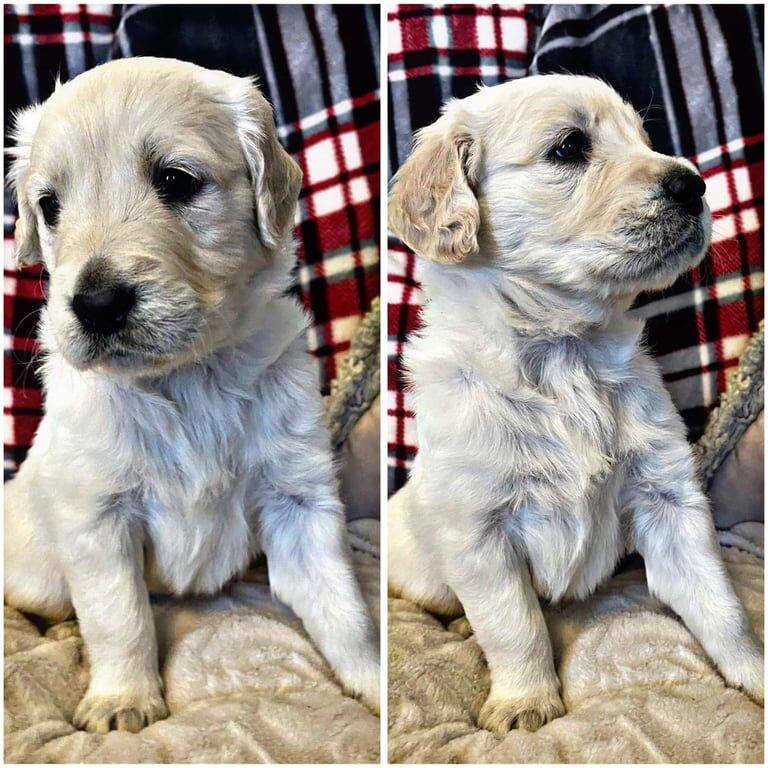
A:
[548,446]
[184,431]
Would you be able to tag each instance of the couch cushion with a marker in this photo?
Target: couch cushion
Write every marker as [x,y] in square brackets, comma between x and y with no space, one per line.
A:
[737,487]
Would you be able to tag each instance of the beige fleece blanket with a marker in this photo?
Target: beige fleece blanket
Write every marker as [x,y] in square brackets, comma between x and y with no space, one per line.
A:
[243,684]
[637,687]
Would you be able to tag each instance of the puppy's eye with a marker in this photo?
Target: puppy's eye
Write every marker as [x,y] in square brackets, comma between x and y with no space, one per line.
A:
[176,186]
[572,148]
[51,208]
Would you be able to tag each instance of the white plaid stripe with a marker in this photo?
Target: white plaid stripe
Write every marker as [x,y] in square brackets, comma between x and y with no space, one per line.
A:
[340,265]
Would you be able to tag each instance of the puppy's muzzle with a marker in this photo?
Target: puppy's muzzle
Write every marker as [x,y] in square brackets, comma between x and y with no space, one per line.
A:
[104,311]
[686,189]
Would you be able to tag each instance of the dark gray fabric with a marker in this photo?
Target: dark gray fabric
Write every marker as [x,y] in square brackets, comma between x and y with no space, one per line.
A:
[737,490]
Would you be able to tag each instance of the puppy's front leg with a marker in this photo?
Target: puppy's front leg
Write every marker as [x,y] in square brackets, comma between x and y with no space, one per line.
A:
[493,584]
[103,564]
[672,528]
[310,570]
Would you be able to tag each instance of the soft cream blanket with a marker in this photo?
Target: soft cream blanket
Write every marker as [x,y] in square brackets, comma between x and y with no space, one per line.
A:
[243,684]
[636,685]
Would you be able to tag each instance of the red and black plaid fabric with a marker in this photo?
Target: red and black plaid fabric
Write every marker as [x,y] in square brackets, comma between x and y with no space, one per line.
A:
[695,71]
[318,66]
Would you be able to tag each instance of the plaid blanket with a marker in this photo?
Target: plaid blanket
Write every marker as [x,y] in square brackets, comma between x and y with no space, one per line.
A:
[318,66]
[695,71]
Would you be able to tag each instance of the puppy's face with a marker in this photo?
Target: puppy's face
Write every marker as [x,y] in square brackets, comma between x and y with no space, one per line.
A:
[154,191]
[551,178]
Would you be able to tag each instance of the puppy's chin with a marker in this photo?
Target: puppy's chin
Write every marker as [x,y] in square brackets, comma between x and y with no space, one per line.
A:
[660,255]
[677,263]
[121,355]
[135,365]
[125,362]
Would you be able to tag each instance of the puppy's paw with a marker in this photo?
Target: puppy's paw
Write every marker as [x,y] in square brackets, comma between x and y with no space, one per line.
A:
[363,684]
[63,631]
[121,712]
[368,693]
[461,627]
[529,713]
[745,669]
[371,700]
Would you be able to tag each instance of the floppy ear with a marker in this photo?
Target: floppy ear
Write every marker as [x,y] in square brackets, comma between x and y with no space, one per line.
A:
[275,176]
[432,207]
[27,239]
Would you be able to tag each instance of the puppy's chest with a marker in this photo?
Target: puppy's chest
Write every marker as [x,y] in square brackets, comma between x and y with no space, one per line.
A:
[573,541]
[197,493]
[584,389]
[198,449]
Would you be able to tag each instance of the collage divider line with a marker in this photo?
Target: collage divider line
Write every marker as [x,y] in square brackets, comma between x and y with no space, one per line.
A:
[383,391]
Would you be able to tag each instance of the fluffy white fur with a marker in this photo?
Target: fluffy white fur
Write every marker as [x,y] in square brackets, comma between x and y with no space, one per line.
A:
[172,453]
[548,445]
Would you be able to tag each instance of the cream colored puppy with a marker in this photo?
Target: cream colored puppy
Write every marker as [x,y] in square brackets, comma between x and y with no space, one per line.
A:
[184,431]
[548,445]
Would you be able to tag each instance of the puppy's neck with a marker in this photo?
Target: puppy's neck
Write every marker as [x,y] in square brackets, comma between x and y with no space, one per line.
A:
[537,310]
[493,301]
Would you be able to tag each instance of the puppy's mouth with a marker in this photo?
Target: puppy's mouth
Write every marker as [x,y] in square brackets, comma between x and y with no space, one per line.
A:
[158,332]
[126,360]
[87,352]
[658,247]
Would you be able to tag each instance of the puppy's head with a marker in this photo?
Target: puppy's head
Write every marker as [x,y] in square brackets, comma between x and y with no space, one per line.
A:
[551,178]
[156,193]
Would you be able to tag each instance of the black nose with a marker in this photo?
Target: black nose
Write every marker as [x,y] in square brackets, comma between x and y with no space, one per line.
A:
[104,311]
[686,188]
